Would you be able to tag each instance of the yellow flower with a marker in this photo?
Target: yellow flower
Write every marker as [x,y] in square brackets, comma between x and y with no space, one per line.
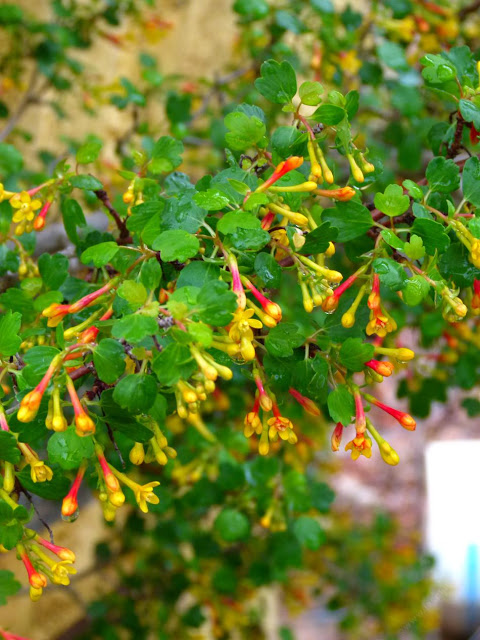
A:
[25,206]
[144,494]
[4,194]
[39,471]
[359,446]
[60,572]
[241,331]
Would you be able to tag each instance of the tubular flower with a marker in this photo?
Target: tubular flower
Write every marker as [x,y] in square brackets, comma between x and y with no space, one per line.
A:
[31,402]
[389,455]
[252,420]
[110,480]
[327,174]
[56,312]
[62,552]
[308,404]
[331,302]
[403,418]
[380,323]
[271,308]
[359,413]
[36,579]
[359,446]
[281,424]
[336,438]
[39,221]
[475,305]
[137,454]
[267,220]
[342,195]
[240,331]
[237,287]
[355,169]
[70,502]
[144,494]
[25,211]
[84,424]
[384,368]
[263,397]
[315,168]
[293,216]
[55,419]
[401,354]
[284,167]
[4,194]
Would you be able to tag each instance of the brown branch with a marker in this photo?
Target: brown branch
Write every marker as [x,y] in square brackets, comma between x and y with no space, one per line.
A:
[121,225]
[81,371]
[457,138]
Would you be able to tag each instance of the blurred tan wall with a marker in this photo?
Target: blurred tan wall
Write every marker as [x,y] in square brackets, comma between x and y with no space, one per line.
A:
[197,44]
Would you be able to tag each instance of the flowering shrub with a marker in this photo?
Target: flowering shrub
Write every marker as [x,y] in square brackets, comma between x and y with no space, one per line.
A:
[190,357]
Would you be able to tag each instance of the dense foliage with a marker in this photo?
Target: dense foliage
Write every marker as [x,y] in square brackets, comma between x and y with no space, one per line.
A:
[206,339]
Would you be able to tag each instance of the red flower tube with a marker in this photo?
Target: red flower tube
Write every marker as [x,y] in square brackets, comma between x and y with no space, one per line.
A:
[384,368]
[403,418]
[31,402]
[110,480]
[70,502]
[36,579]
[272,308]
[84,424]
[284,167]
[309,405]
[267,220]
[39,221]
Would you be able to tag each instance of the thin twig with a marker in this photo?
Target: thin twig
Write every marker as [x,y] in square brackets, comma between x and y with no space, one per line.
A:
[122,227]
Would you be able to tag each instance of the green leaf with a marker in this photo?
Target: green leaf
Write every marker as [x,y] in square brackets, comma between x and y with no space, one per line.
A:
[54,489]
[391,273]
[308,532]
[232,525]
[416,289]
[443,175]
[120,420]
[211,200]
[341,405]
[317,241]
[414,249]
[249,239]
[351,220]
[393,202]
[197,273]
[136,392]
[176,244]
[109,360]
[289,141]
[134,293]
[134,327]
[297,491]
[251,9]
[471,180]
[393,55]
[9,586]
[278,82]
[86,182]
[437,69]
[8,447]
[243,131]
[53,269]
[413,189]
[329,114]
[173,363]
[11,160]
[201,333]
[217,303]
[432,233]
[10,341]
[392,239]
[166,155]
[234,220]
[354,353]
[455,265]
[268,269]
[470,112]
[283,339]
[99,254]
[150,274]
[88,152]
[68,450]
[73,217]
[310,93]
